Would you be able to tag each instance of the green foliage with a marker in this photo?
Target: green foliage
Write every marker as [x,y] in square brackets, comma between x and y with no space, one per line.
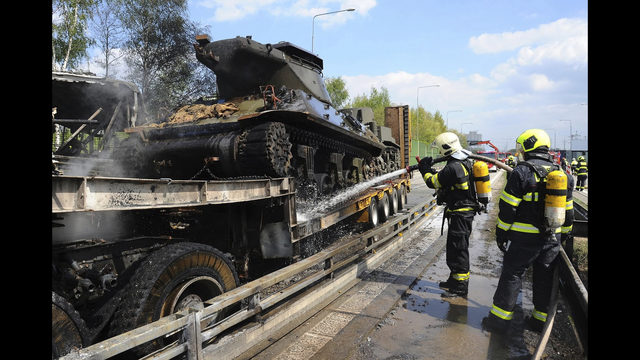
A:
[428,126]
[69,39]
[337,91]
[160,54]
[377,101]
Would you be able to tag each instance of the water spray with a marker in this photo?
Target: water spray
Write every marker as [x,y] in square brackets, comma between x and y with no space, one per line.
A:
[495,162]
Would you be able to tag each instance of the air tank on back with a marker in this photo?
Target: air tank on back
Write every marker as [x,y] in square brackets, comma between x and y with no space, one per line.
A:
[272,117]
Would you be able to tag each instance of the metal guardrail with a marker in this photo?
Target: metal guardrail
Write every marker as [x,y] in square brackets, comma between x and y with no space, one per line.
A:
[380,243]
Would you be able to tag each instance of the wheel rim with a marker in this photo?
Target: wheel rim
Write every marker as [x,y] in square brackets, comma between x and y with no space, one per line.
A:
[401,197]
[385,207]
[192,293]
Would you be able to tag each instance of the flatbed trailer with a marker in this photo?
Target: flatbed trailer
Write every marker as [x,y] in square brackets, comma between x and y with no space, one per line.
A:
[108,232]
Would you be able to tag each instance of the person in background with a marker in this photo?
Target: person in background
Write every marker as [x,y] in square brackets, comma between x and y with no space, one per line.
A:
[581,171]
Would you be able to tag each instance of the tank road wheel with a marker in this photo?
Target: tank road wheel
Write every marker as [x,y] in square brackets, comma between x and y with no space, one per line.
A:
[68,330]
[171,279]
[325,186]
[267,148]
[374,220]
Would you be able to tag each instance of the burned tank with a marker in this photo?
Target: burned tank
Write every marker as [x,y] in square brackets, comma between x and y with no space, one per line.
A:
[272,117]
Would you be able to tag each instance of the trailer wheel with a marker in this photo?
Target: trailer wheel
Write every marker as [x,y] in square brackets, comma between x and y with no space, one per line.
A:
[384,207]
[393,199]
[68,330]
[173,278]
[402,197]
[373,212]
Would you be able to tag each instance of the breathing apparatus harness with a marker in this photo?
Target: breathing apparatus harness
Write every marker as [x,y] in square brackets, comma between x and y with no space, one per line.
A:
[552,191]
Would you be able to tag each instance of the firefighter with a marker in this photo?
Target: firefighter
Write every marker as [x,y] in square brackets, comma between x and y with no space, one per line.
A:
[574,165]
[522,234]
[581,171]
[455,189]
[511,161]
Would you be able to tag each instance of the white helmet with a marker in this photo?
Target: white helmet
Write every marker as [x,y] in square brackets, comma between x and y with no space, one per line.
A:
[447,143]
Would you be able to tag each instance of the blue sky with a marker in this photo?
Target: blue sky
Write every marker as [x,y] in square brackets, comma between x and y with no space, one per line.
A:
[502,66]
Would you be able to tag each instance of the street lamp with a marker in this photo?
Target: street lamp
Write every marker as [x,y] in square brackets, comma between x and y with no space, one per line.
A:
[554,138]
[313,23]
[448,115]
[418,112]
[570,137]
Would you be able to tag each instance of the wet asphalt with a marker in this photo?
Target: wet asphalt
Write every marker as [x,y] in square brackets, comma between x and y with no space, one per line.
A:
[398,311]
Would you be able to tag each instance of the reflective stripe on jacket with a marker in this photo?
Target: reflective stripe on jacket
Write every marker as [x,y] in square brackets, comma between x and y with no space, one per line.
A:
[582,168]
[453,183]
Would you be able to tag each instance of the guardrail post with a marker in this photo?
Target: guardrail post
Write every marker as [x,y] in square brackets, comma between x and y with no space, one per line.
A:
[328,263]
[254,302]
[192,335]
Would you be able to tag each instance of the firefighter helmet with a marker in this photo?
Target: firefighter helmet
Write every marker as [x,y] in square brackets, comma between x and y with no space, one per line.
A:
[532,140]
[447,143]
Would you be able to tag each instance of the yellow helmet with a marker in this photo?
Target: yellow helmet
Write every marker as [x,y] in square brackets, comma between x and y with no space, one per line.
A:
[531,140]
[580,158]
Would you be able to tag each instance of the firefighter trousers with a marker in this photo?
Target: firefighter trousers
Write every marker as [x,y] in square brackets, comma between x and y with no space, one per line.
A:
[460,225]
[582,182]
[525,251]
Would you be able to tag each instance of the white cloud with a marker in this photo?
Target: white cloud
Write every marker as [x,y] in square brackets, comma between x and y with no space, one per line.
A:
[540,82]
[548,58]
[546,33]
[571,50]
[471,91]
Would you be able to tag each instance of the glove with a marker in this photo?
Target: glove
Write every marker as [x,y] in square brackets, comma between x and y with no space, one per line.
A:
[501,240]
[424,166]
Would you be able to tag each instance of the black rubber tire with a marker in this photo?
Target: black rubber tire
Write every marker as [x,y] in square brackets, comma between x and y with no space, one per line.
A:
[374,218]
[151,289]
[68,329]
[402,197]
[384,208]
[394,204]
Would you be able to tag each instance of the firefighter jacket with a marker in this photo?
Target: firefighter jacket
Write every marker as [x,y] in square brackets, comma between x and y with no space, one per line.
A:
[521,206]
[454,187]
[574,165]
[582,168]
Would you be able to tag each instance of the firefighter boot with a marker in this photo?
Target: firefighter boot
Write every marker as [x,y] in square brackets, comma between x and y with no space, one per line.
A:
[447,284]
[534,324]
[457,288]
[494,324]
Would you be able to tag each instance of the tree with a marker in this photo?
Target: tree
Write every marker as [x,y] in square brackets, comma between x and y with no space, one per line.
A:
[160,53]
[69,41]
[377,101]
[337,91]
[108,32]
